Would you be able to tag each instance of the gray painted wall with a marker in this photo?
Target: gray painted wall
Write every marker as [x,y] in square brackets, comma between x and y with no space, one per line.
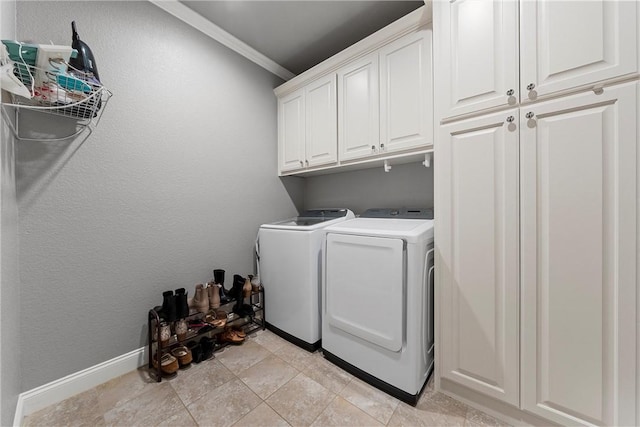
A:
[10,385]
[173,183]
[408,185]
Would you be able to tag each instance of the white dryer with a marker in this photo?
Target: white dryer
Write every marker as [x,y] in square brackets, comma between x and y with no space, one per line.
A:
[290,255]
[377,300]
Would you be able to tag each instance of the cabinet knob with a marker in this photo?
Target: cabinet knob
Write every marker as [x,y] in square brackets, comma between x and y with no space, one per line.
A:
[510,119]
[373,148]
[307,162]
[531,121]
[382,146]
[510,92]
[301,163]
[531,86]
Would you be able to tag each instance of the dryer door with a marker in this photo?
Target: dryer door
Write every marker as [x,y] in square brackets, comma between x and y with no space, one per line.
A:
[365,288]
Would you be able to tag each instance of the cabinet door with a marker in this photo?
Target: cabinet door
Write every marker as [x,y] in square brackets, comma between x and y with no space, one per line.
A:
[477,237]
[477,55]
[578,258]
[358,109]
[291,131]
[406,95]
[565,44]
[321,122]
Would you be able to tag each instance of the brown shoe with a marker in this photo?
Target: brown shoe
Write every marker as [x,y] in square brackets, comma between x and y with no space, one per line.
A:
[239,331]
[168,364]
[230,336]
[201,299]
[183,354]
[213,292]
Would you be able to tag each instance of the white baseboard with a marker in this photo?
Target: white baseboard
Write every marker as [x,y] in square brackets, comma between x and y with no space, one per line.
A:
[59,390]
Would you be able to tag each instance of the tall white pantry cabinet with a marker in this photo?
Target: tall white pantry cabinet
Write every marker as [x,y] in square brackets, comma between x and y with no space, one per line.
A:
[537,192]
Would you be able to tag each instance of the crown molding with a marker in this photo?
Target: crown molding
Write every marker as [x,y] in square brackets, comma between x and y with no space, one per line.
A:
[207,27]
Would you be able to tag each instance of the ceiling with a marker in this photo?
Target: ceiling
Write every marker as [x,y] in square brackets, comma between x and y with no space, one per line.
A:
[300,34]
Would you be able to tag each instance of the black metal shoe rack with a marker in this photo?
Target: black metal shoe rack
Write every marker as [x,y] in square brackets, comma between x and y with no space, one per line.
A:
[249,324]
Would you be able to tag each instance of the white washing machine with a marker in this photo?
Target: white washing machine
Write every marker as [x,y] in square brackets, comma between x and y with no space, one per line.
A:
[377,302]
[290,255]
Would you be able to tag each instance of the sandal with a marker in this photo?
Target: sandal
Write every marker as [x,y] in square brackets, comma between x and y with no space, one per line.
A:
[215,319]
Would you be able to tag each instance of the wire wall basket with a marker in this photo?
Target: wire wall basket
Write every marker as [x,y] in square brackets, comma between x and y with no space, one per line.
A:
[75,95]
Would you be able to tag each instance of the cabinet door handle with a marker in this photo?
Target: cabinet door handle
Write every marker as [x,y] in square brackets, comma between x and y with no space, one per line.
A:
[301,163]
[510,92]
[510,119]
[531,86]
[529,115]
[382,147]
[307,162]
[373,148]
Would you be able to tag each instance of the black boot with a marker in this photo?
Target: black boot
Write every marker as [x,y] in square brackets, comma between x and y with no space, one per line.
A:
[168,306]
[207,345]
[196,351]
[236,291]
[218,279]
[236,288]
[182,308]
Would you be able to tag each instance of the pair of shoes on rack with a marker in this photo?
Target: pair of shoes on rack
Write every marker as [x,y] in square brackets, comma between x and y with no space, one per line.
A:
[202,350]
[184,356]
[207,297]
[168,364]
[173,306]
[217,319]
[233,335]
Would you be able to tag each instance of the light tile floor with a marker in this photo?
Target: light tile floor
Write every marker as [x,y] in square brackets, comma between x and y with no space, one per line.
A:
[266,381]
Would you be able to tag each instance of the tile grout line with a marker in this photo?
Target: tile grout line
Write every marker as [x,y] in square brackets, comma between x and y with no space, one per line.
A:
[324,409]
[265,399]
[183,404]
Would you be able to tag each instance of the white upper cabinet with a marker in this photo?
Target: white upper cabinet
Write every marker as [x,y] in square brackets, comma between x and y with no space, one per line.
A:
[484,61]
[358,108]
[579,222]
[367,105]
[307,126]
[321,146]
[385,100]
[477,55]
[566,44]
[406,93]
[291,131]
[477,241]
